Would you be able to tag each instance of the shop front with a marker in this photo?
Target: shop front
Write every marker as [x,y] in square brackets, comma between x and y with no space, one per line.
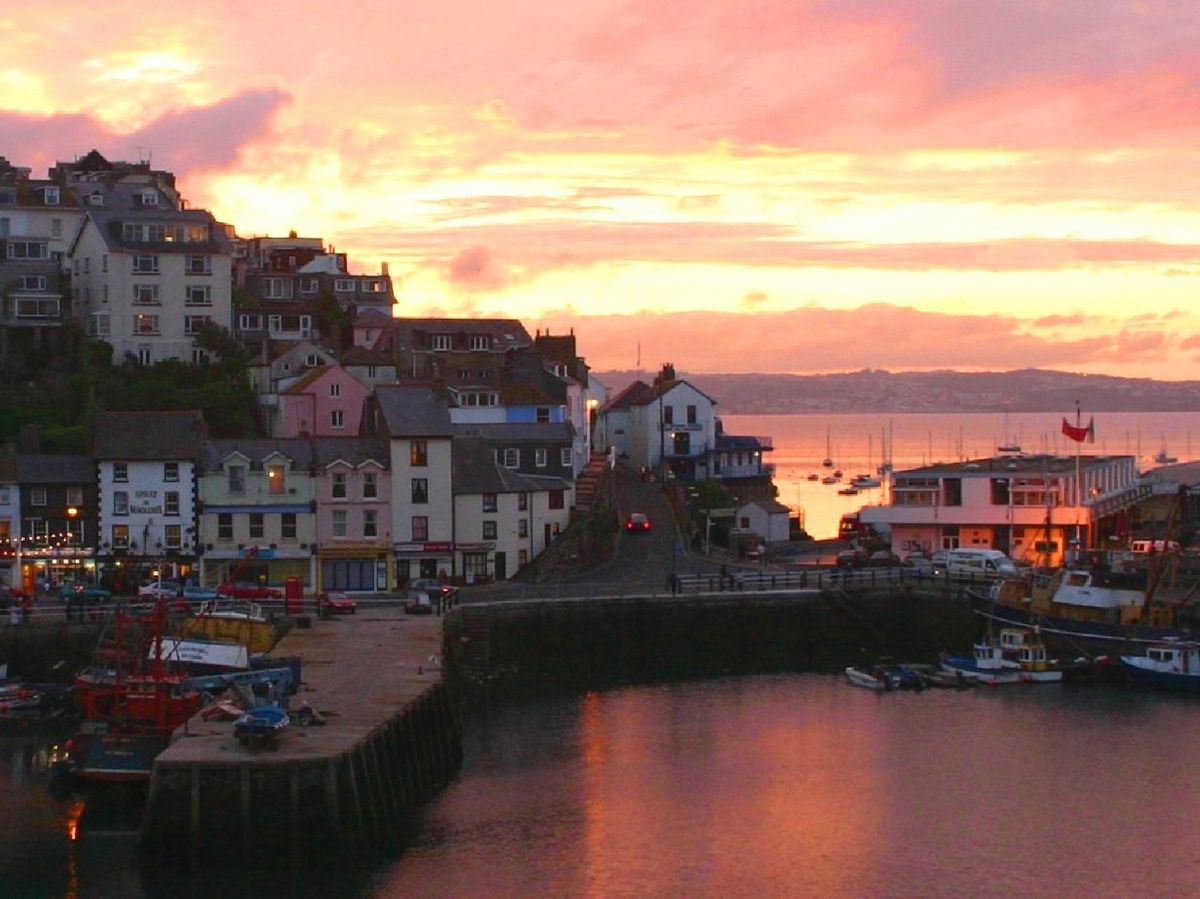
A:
[354,567]
[423,560]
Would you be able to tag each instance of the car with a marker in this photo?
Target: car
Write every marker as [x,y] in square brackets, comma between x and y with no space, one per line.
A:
[248,590]
[334,603]
[636,522]
[850,558]
[195,593]
[435,588]
[86,592]
[882,559]
[418,603]
[158,590]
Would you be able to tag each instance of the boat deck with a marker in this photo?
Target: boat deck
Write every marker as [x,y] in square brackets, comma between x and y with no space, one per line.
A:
[357,671]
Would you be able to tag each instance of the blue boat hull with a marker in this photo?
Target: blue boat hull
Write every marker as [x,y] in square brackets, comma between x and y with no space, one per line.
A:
[1100,635]
[1163,680]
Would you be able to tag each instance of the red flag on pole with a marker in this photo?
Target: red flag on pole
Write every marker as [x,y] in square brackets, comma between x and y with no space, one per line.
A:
[1079,434]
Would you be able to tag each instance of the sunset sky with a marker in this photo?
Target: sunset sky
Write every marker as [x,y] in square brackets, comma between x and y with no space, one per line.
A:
[760,185]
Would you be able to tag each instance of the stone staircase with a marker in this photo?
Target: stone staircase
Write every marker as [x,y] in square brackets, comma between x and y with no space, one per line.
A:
[589,482]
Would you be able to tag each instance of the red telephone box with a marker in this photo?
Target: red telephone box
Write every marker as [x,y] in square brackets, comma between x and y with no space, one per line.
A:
[293,595]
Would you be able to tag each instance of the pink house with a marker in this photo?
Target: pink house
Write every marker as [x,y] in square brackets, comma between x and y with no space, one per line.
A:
[354,513]
[325,402]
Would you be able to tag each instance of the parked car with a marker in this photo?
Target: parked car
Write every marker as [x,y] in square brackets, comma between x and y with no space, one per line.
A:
[435,588]
[636,522]
[928,566]
[194,593]
[332,603]
[248,590]
[882,559]
[157,590]
[418,603]
[91,592]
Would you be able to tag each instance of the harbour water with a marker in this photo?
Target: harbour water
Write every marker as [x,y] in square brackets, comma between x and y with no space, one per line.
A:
[855,444]
[792,785]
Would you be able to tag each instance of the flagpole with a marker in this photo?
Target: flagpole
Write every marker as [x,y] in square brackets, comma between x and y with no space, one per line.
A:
[1078,483]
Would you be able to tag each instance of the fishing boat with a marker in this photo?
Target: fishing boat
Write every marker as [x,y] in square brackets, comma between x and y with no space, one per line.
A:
[1167,665]
[849,490]
[1163,457]
[1026,648]
[865,482]
[129,710]
[16,699]
[986,664]
[814,477]
[1007,444]
[886,677]
[829,479]
[827,462]
[1092,609]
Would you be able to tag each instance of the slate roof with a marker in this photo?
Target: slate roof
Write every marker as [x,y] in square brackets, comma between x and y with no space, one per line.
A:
[518,432]
[413,411]
[47,468]
[298,449]
[147,436]
[416,333]
[770,506]
[360,355]
[354,450]
[734,442]
[628,396]
[475,470]
[372,318]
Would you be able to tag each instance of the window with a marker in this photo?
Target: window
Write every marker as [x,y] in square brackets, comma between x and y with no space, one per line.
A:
[370,523]
[522,502]
[542,414]
[512,458]
[668,414]
[74,532]
[120,471]
[148,197]
[173,536]
[418,454]
[275,479]
[335,390]
[145,265]
[522,527]
[50,197]
[539,457]
[338,489]
[56,227]
[556,499]
[522,557]
[691,415]
[337,419]
[258,528]
[475,564]
[489,502]
[37,496]
[441,342]
[143,354]
[343,285]
[250,322]
[32,283]
[197,295]
[74,496]
[145,324]
[198,265]
[479,342]
[120,536]
[104,263]
[420,528]
[564,457]
[276,288]
[420,491]
[370,485]
[287,526]
[237,478]
[170,471]
[339,522]
[199,356]
[489,530]
[375,286]
[171,502]
[28,249]
[225,526]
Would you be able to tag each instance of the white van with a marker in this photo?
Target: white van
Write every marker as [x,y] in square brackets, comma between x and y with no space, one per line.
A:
[979,562]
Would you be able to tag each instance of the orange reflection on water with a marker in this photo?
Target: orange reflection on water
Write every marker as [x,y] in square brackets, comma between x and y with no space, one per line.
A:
[771,800]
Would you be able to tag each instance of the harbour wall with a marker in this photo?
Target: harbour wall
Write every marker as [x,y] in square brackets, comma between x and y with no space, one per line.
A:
[596,643]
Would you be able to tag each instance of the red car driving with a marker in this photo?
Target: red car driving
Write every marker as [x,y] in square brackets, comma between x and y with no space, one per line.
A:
[248,590]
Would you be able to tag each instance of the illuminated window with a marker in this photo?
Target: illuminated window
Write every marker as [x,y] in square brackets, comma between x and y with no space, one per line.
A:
[275,479]
[419,454]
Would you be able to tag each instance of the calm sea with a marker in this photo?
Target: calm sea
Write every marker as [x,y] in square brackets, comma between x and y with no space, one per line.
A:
[795,785]
[856,444]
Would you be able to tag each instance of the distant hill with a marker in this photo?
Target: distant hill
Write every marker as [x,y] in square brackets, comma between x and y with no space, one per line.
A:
[873,390]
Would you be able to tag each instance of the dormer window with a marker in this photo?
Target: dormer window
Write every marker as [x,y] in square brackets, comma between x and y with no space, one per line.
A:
[149,198]
[479,342]
[441,342]
[96,199]
[50,196]
[312,360]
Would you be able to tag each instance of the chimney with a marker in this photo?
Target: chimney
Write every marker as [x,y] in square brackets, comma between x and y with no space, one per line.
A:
[383,268]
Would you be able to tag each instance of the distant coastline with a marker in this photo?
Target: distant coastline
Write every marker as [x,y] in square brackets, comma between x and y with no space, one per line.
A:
[875,390]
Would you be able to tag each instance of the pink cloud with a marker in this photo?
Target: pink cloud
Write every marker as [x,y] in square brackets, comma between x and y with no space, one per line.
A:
[185,142]
[474,267]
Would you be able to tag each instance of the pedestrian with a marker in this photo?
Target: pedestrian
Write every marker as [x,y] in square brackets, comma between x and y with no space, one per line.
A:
[26,609]
[724,575]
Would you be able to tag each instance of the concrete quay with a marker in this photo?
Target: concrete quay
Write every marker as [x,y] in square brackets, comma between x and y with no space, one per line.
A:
[391,737]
